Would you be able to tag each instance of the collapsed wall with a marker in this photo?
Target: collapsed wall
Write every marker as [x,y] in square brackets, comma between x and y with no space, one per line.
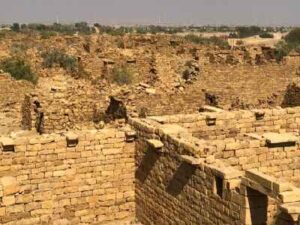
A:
[292,96]
[82,178]
[68,104]
[12,93]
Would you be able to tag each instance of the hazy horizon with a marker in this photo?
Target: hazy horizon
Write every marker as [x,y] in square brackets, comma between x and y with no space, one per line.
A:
[172,12]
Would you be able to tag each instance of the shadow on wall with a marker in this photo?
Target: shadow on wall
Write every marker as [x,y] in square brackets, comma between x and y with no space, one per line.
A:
[180,179]
[284,219]
[292,96]
[146,165]
[258,207]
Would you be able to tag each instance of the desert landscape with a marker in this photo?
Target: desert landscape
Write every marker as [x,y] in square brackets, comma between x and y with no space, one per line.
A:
[149,124]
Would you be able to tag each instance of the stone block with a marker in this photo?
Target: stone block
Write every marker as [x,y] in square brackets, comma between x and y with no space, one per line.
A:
[172,129]
[277,139]
[130,136]
[72,139]
[290,196]
[211,120]
[8,200]
[7,144]
[208,108]
[191,160]
[9,185]
[259,114]
[280,187]
[156,145]
[260,178]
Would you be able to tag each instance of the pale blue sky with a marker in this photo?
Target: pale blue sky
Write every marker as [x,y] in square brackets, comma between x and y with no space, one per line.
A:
[198,12]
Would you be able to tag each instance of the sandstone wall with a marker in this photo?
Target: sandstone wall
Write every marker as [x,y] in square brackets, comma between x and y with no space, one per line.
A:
[68,104]
[292,96]
[229,124]
[176,183]
[169,191]
[281,161]
[46,182]
[12,94]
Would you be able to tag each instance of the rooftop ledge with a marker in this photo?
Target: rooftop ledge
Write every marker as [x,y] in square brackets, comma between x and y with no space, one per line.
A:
[277,139]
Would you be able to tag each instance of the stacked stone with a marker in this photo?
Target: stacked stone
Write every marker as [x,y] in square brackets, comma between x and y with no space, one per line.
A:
[248,178]
[82,178]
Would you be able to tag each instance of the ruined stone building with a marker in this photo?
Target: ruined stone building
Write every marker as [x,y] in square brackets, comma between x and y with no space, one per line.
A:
[216,167]
[86,150]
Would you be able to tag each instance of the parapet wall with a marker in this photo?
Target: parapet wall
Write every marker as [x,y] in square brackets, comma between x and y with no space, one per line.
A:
[252,152]
[12,94]
[170,191]
[237,138]
[248,178]
[229,124]
[43,181]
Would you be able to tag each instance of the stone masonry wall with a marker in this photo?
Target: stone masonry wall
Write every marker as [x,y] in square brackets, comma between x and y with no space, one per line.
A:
[69,104]
[281,161]
[169,191]
[46,182]
[12,95]
[176,183]
[229,124]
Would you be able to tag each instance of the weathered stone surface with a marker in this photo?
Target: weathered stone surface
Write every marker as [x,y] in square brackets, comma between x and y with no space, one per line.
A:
[263,179]
[156,144]
[275,138]
[207,108]
[191,160]
[51,179]
[290,196]
[5,141]
[9,185]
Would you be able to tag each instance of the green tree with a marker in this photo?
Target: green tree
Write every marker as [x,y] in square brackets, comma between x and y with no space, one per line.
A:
[18,69]
[15,27]
[293,36]
[122,75]
[244,32]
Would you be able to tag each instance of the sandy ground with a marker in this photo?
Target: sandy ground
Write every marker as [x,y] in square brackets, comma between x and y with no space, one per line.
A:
[256,40]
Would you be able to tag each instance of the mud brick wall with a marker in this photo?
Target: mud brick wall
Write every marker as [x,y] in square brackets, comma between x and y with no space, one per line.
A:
[169,191]
[46,182]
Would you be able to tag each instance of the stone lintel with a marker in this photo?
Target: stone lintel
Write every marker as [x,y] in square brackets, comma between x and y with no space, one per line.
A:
[227,173]
[260,178]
